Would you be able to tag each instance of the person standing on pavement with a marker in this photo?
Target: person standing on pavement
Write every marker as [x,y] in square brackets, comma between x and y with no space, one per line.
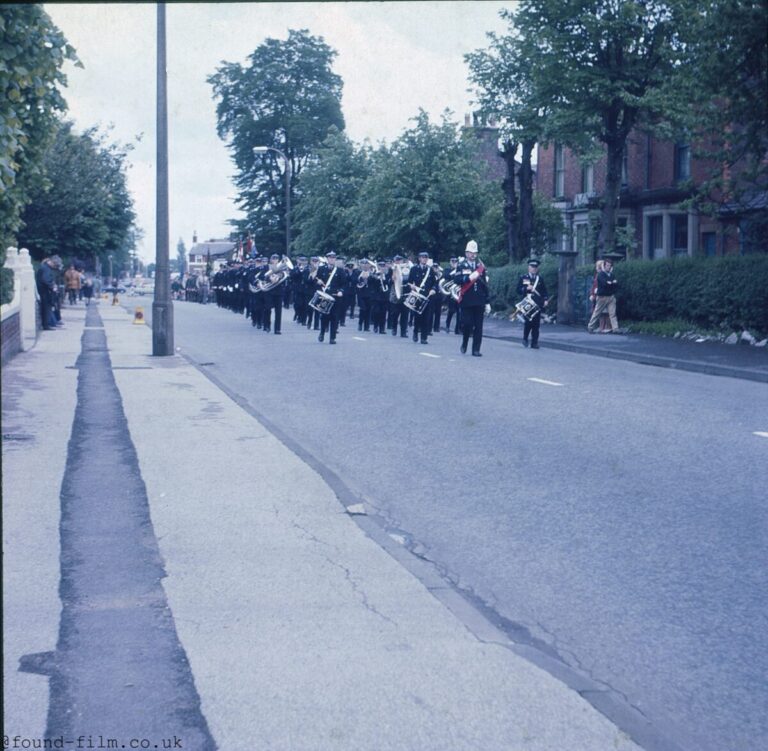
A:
[72,283]
[593,297]
[45,279]
[532,284]
[606,299]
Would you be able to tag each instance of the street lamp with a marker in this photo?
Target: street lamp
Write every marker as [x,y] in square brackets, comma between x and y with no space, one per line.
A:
[264,150]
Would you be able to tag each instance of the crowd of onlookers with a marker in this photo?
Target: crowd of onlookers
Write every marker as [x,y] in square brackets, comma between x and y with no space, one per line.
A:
[55,287]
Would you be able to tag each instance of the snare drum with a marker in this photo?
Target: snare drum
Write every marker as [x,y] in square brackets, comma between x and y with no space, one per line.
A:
[322,302]
[527,308]
[416,302]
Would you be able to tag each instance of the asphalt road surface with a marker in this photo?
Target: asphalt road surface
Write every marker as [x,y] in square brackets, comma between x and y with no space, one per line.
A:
[608,512]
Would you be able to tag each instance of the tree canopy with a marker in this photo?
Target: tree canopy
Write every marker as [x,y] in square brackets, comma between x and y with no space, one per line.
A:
[32,53]
[286,97]
[83,208]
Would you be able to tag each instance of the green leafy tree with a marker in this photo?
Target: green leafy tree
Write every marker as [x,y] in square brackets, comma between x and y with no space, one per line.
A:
[181,257]
[285,97]
[506,91]
[32,53]
[601,66]
[331,185]
[724,84]
[426,192]
[84,209]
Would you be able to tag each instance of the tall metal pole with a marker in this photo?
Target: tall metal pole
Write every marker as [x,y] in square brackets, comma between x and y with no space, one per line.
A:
[162,306]
[287,207]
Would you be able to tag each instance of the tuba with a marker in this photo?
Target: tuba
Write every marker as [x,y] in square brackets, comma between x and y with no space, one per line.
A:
[277,275]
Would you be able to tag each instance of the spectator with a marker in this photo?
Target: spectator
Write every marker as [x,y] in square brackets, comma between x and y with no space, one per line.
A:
[45,279]
[72,283]
[593,298]
[87,289]
[606,299]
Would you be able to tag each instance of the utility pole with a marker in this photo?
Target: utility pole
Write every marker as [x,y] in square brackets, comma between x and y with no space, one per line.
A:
[162,306]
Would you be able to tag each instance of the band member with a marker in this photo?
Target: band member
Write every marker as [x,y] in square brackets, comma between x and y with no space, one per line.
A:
[437,300]
[297,290]
[398,313]
[379,298]
[470,274]
[310,282]
[341,264]
[350,291]
[273,298]
[364,285]
[331,280]
[532,284]
[422,280]
[453,306]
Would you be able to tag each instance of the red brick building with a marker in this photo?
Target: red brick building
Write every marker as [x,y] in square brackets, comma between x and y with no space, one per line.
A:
[655,180]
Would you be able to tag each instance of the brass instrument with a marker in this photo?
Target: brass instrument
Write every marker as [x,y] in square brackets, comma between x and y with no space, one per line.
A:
[277,275]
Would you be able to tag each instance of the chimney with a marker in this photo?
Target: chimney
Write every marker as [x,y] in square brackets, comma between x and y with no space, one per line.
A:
[194,237]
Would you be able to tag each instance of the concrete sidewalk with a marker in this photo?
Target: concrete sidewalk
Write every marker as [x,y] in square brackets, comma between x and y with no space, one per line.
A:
[302,632]
[712,358]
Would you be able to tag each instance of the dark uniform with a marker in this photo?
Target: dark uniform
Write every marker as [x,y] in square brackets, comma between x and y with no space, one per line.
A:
[422,279]
[379,299]
[331,280]
[397,310]
[453,306]
[531,283]
[364,290]
[472,303]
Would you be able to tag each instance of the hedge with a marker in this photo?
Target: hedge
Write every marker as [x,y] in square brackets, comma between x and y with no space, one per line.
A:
[728,292]
[6,286]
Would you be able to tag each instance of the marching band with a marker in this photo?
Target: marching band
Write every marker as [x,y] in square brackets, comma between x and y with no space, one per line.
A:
[392,295]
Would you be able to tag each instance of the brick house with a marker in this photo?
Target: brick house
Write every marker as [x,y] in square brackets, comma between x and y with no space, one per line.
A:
[655,180]
[219,251]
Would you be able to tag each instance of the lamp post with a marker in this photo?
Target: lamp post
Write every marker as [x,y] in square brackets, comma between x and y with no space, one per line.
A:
[264,150]
[162,306]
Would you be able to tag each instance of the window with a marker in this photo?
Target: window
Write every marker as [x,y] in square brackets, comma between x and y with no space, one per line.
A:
[559,171]
[587,178]
[655,236]
[580,240]
[679,227]
[709,243]
[682,162]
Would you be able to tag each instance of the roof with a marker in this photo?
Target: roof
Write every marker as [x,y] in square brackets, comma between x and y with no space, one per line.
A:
[213,247]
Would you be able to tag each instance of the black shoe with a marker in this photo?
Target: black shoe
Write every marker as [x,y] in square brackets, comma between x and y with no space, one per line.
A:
[534,346]
[277,333]
[463,349]
[403,336]
[525,342]
[394,332]
[343,324]
[424,341]
[320,338]
[382,331]
[333,341]
[476,354]
[415,337]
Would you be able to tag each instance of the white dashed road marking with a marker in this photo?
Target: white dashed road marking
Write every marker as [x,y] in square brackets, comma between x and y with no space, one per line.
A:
[761,433]
[427,354]
[548,383]
[359,339]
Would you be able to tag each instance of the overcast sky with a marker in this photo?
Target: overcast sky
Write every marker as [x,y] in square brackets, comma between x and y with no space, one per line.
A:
[393,57]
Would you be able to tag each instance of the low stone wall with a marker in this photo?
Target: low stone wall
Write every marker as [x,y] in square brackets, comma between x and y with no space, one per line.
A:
[10,337]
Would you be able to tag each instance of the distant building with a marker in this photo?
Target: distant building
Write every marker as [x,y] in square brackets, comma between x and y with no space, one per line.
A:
[217,251]
[656,177]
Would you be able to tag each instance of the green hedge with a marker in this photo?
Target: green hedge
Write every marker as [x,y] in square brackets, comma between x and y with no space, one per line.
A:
[6,286]
[729,292]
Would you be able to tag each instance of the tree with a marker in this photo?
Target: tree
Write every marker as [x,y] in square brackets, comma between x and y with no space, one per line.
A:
[84,209]
[426,192]
[330,188]
[507,93]
[181,257]
[601,66]
[725,86]
[32,52]
[286,97]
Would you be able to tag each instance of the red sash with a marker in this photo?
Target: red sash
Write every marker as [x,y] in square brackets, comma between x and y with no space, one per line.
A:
[465,287]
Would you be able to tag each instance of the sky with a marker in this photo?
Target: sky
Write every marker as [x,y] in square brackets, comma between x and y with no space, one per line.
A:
[393,57]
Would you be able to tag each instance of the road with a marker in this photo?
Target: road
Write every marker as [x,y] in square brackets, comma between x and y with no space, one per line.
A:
[608,512]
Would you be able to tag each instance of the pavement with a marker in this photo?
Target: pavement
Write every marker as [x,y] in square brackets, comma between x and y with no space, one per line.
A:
[287,621]
[712,358]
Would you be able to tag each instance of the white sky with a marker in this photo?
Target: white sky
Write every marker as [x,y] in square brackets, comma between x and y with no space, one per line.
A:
[393,57]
